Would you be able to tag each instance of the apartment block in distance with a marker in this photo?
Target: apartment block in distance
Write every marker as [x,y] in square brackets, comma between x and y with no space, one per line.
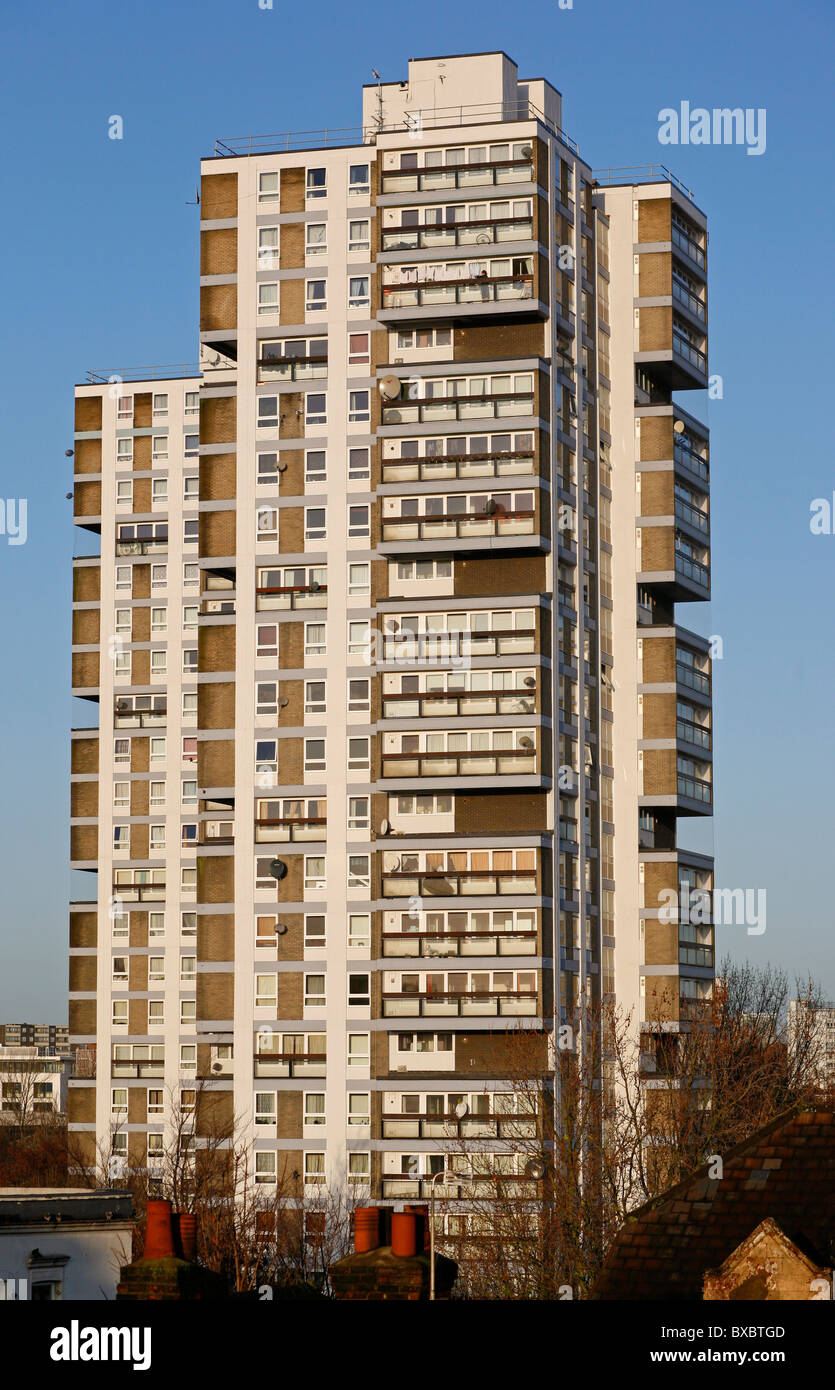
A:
[412,600]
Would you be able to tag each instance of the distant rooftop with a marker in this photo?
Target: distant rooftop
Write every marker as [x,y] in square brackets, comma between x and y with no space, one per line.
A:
[100,376]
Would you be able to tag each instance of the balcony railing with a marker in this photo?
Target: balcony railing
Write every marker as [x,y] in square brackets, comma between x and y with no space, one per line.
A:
[474,290]
[689,459]
[292,596]
[693,678]
[441,945]
[214,607]
[154,546]
[457,176]
[691,301]
[475,232]
[292,368]
[688,731]
[692,516]
[453,1127]
[434,883]
[460,526]
[514,762]
[458,408]
[460,1005]
[137,1069]
[140,892]
[292,828]
[685,349]
[289,1064]
[686,244]
[400,1186]
[692,569]
[441,705]
[429,646]
[138,719]
[447,466]
[695,788]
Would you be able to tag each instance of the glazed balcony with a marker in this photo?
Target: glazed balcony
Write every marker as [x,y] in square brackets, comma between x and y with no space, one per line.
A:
[469,883]
[284,828]
[676,781]
[518,633]
[140,712]
[458,704]
[671,348]
[452,1126]
[461,522]
[289,1064]
[470,295]
[675,659]
[519,759]
[452,467]
[447,944]
[464,1004]
[398,1186]
[480,232]
[291,596]
[446,178]
[671,558]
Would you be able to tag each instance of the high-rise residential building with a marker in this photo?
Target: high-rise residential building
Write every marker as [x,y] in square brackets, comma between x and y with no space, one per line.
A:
[51,1037]
[385,593]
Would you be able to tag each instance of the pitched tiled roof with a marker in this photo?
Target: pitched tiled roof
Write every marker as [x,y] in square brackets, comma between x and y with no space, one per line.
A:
[785,1171]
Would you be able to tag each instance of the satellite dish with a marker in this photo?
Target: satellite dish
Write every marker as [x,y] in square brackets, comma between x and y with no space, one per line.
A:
[462,1109]
[527,151]
[392,625]
[389,387]
[530,680]
[283,702]
[384,827]
[314,586]
[282,467]
[278,869]
[679,427]
[281,928]
[391,863]
[526,741]
[491,508]
[217,1066]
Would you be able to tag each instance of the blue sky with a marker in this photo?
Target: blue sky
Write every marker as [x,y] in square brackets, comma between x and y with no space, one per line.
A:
[100,266]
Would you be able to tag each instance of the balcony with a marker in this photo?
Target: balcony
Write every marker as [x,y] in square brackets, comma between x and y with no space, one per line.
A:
[401,1187]
[444,646]
[140,892]
[501,405]
[291,596]
[458,705]
[466,1004]
[671,350]
[437,179]
[140,712]
[493,520]
[672,560]
[442,945]
[285,828]
[677,781]
[136,1069]
[217,607]
[479,763]
[454,466]
[277,369]
[688,246]
[289,1064]
[690,677]
[399,301]
[436,883]
[474,232]
[507,1127]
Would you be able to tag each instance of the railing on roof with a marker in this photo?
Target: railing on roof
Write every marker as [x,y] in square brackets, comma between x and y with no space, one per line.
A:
[646,173]
[156,373]
[412,123]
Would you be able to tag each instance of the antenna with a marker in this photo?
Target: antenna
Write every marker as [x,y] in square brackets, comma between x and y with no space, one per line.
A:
[375,73]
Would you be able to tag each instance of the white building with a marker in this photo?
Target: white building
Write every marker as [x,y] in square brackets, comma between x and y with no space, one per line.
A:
[63,1243]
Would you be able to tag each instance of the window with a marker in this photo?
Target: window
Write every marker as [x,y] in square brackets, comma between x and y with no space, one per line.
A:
[189,793]
[265,1163]
[119,1015]
[121,751]
[359,930]
[159,619]
[266,523]
[359,580]
[120,969]
[359,990]
[191,531]
[191,574]
[124,450]
[121,836]
[266,640]
[359,1050]
[159,491]
[359,637]
[314,755]
[359,238]
[188,924]
[121,925]
[192,403]
[358,816]
[124,494]
[157,837]
[156,968]
[265,1107]
[359,464]
[188,1011]
[315,466]
[266,697]
[358,179]
[119,1101]
[266,991]
[314,1169]
[121,794]
[359,696]
[124,577]
[358,349]
[268,412]
[267,468]
[314,871]
[189,754]
[159,447]
[188,968]
[124,408]
[317,183]
[314,991]
[315,523]
[315,701]
[315,295]
[190,612]
[156,1013]
[159,662]
[359,871]
[156,924]
[359,1108]
[359,407]
[316,238]
[314,639]
[265,756]
[268,248]
[268,187]
[268,297]
[316,408]
[359,754]
[188,1055]
[189,660]
[358,521]
[314,1107]
[191,489]
[314,930]
[358,291]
